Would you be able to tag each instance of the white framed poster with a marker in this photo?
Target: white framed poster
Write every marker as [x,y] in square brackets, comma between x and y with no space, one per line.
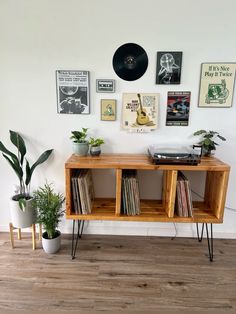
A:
[216,85]
[72,92]
[139,111]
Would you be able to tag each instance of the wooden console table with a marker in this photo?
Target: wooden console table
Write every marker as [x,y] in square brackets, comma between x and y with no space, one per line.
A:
[208,211]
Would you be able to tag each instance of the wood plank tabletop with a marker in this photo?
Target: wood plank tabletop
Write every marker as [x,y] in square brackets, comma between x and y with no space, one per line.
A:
[140,161]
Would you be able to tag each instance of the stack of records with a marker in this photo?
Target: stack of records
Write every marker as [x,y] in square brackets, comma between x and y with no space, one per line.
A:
[130,193]
[183,204]
[82,191]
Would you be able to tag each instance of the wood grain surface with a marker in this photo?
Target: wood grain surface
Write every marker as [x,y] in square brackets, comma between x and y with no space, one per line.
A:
[117,273]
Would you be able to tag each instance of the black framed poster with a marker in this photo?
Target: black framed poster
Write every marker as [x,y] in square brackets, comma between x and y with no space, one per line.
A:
[168,70]
[178,106]
[72,92]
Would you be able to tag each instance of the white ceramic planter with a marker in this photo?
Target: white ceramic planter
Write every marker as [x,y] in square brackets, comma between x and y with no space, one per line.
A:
[20,218]
[51,246]
[81,149]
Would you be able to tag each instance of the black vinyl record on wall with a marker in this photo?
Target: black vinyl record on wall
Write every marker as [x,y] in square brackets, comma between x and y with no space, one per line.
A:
[130,62]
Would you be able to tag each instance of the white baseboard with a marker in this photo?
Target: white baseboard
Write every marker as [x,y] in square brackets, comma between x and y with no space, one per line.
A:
[139,229]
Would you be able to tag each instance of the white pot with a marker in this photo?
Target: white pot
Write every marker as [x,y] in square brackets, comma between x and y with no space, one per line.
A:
[20,218]
[51,246]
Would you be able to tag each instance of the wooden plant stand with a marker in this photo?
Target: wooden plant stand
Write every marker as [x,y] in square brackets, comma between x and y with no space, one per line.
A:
[12,228]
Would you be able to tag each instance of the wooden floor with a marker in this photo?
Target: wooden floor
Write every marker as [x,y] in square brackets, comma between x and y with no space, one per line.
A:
[118,273]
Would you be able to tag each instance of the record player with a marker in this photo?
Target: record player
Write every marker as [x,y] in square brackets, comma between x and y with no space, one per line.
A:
[181,155]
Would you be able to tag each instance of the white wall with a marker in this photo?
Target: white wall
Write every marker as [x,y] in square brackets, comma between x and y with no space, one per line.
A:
[41,36]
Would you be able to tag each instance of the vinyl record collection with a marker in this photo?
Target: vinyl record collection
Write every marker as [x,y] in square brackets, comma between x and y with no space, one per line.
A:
[183,201]
[82,191]
[130,193]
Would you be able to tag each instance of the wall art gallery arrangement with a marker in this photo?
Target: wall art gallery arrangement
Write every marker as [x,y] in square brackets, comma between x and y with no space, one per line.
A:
[140,110]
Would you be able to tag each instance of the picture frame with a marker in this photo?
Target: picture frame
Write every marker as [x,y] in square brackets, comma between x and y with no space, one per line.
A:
[73,92]
[169,67]
[108,109]
[140,112]
[105,86]
[216,86]
[178,108]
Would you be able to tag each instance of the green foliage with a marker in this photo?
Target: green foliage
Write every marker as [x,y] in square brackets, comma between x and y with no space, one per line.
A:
[49,208]
[208,140]
[96,141]
[79,136]
[19,163]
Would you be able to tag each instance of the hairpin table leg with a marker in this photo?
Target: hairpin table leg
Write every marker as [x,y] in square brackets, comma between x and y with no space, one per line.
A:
[74,245]
[209,239]
[210,242]
[200,238]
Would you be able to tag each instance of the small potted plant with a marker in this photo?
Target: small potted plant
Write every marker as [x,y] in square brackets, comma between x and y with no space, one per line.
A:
[22,213]
[48,205]
[95,148]
[207,141]
[80,142]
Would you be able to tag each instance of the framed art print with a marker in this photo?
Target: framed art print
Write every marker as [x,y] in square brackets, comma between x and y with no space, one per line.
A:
[73,92]
[178,106]
[108,109]
[105,86]
[216,85]
[168,70]
[139,111]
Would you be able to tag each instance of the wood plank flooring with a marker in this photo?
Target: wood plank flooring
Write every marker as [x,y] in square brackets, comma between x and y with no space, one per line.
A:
[113,273]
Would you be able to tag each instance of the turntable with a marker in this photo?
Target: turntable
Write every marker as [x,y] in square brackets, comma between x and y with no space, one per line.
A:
[181,155]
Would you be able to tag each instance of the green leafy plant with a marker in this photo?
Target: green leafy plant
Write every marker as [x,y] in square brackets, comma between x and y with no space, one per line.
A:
[208,140]
[49,208]
[20,164]
[96,141]
[79,136]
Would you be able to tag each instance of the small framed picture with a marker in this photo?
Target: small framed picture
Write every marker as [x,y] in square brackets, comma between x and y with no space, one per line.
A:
[216,85]
[168,70]
[108,109]
[105,86]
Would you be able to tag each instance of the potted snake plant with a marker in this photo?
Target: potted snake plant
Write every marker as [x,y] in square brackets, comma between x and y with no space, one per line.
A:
[22,212]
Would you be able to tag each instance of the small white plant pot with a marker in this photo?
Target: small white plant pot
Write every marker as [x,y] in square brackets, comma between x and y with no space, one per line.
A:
[51,246]
[80,149]
[22,218]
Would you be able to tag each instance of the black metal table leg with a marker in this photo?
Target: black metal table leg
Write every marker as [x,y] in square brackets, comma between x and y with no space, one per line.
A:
[200,238]
[82,228]
[210,242]
[74,246]
[209,239]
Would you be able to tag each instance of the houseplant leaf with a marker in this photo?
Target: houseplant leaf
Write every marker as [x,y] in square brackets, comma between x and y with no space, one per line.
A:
[15,166]
[6,151]
[29,170]
[18,141]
